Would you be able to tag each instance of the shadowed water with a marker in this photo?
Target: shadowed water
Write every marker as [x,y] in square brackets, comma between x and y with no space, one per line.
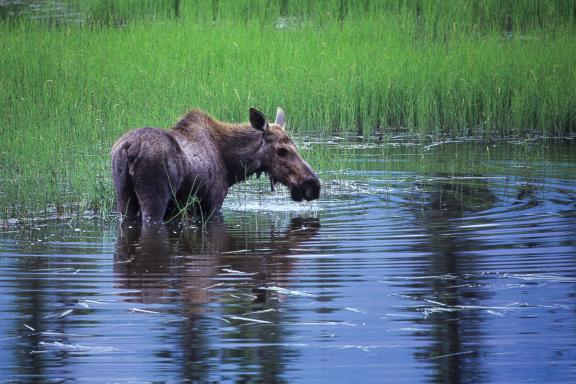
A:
[409,269]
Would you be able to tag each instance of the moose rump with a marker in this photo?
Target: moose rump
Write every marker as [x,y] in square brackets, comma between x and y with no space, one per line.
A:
[158,173]
[151,175]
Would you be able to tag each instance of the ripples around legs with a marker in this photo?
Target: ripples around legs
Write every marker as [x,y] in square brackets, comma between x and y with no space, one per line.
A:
[392,276]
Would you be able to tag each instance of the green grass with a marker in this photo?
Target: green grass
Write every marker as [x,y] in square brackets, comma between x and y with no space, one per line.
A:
[425,68]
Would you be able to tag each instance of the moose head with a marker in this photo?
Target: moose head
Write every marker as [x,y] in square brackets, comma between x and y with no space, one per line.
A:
[281,159]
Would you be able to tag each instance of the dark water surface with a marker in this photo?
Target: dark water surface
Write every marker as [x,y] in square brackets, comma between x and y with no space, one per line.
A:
[455,263]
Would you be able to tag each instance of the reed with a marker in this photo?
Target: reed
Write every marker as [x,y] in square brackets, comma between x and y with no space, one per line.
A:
[423,68]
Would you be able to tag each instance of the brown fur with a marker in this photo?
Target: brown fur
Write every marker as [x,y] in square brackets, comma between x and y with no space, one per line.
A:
[157,171]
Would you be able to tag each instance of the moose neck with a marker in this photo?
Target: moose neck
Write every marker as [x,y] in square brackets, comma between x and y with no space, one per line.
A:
[241,146]
[242,149]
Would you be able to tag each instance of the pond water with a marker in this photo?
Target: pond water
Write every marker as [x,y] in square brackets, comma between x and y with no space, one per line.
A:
[450,263]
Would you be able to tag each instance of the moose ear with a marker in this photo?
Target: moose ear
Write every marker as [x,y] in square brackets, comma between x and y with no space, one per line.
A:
[258,120]
[280,117]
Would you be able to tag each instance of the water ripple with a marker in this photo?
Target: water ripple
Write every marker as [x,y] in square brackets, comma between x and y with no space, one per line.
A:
[430,275]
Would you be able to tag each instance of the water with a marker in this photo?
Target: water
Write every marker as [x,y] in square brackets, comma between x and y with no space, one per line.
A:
[50,11]
[451,264]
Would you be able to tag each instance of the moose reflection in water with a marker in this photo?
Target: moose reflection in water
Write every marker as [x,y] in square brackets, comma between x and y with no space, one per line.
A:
[161,173]
[200,267]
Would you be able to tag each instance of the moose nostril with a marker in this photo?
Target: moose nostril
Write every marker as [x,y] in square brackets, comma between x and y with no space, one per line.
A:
[310,183]
[312,188]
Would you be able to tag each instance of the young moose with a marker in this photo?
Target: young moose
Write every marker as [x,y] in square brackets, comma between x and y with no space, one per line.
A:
[157,171]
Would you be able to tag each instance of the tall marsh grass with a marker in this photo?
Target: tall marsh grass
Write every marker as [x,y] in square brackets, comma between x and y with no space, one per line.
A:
[440,68]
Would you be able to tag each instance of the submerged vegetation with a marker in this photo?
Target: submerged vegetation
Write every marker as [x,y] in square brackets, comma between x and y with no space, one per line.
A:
[72,81]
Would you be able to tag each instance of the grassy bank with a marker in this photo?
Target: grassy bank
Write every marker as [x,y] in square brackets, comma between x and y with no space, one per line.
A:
[337,67]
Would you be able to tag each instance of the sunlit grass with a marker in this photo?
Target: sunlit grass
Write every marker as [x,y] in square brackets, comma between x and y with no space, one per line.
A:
[424,68]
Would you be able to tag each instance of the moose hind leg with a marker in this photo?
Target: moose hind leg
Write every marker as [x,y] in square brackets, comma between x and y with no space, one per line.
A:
[127,204]
[155,188]
[154,202]
[126,199]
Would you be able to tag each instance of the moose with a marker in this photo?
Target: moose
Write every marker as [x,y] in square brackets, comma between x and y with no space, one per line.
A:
[157,172]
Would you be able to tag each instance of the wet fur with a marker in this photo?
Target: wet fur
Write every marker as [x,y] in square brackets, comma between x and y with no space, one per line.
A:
[156,172]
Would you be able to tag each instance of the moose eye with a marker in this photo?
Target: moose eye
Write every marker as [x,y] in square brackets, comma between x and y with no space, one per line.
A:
[282,152]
